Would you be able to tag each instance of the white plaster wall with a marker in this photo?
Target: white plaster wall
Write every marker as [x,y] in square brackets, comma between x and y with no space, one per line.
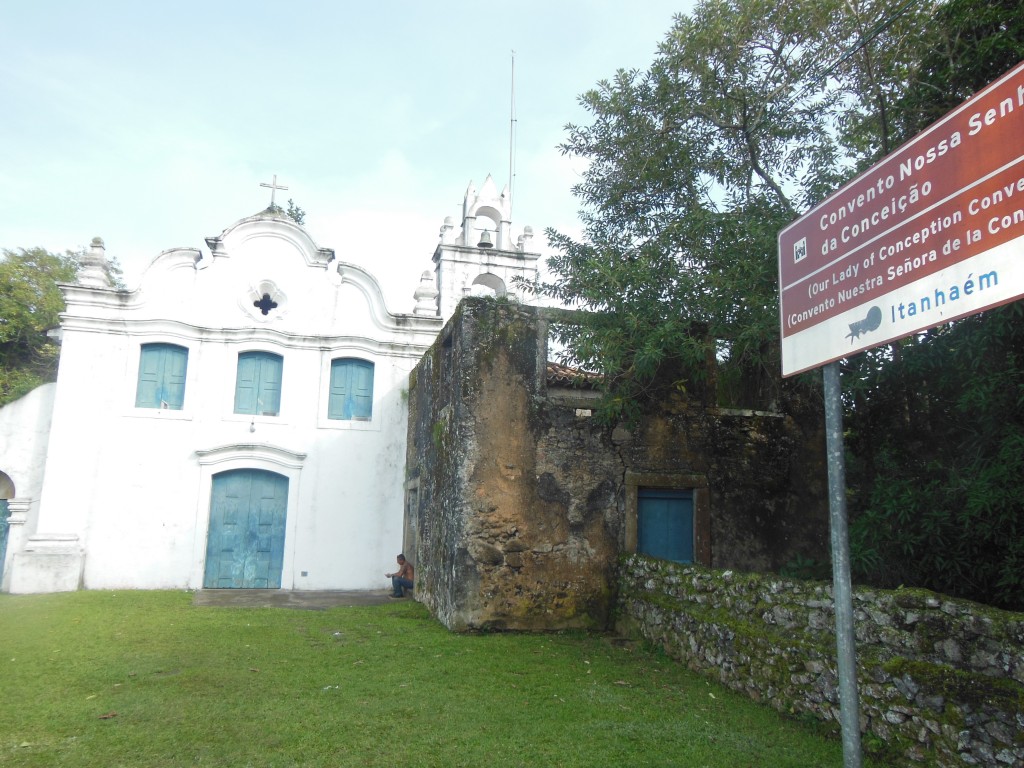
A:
[24,437]
[458,266]
[353,528]
[24,434]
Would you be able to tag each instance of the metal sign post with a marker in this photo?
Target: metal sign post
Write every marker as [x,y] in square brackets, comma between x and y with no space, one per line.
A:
[842,590]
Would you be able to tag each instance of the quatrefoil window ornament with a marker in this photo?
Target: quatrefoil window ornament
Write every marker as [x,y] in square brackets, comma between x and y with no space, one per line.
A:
[265,304]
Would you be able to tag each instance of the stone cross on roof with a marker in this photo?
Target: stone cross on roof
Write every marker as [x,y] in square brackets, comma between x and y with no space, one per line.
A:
[273,186]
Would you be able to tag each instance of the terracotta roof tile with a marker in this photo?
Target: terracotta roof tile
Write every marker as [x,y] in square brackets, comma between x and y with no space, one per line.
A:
[565,376]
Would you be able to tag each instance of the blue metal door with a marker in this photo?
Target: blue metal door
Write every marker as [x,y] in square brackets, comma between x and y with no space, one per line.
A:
[245,543]
[665,524]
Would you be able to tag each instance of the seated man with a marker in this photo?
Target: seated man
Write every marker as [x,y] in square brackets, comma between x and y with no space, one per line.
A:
[401,579]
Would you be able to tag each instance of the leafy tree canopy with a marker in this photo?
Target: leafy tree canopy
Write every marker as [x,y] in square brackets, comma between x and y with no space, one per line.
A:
[935,441]
[747,116]
[295,213]
[30,305]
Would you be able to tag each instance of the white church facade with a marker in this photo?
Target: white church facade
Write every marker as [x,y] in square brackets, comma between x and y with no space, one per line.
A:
[237,420]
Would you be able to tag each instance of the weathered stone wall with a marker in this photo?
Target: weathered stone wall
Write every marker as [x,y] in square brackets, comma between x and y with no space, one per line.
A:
[523,503]
[941,681]
[765,475]
[500,542]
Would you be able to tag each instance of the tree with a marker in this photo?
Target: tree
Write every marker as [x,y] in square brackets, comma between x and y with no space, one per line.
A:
[295,213]
[968,45]
[694,167]
[938,479]
[880,44]
[30,305]
[752,112]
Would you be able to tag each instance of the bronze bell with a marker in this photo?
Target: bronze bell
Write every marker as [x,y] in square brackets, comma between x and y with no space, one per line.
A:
[485,240]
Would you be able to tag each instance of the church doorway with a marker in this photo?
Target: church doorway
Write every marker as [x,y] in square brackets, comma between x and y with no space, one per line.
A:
[245,542]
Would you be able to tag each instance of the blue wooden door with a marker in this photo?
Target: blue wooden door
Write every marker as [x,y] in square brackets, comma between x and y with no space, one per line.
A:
[665,524]
[245,543]
[4,526]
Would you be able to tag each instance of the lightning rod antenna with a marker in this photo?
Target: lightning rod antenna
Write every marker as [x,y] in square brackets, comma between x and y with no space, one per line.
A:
[512,136]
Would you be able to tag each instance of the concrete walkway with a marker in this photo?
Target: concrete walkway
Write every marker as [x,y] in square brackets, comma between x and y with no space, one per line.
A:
[281,598]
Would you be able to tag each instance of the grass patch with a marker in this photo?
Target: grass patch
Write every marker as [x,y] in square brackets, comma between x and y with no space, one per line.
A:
[147,679]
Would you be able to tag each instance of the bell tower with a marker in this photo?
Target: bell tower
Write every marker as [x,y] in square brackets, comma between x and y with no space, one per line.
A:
[482,258]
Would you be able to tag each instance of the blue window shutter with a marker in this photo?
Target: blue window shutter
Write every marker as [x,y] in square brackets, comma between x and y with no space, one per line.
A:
[258,383]
[175,366]
[339,390]
[665,524]
[351,394]
[147,392]
[270,385]
[162,369]
[246,384]
[362,390]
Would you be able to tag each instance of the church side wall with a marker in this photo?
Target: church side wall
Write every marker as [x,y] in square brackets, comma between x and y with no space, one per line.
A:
[24,434]
[24,438]
[541,549]
[519,499]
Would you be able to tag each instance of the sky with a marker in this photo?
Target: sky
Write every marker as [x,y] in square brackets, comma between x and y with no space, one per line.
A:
[153,124]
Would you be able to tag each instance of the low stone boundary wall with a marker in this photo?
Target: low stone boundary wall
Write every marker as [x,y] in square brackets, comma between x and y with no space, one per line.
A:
[941,680]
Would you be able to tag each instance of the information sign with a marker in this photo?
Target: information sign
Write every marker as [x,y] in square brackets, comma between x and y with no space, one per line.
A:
[933,232]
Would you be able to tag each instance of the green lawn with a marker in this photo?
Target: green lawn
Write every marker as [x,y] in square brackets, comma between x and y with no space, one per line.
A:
[147,679]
